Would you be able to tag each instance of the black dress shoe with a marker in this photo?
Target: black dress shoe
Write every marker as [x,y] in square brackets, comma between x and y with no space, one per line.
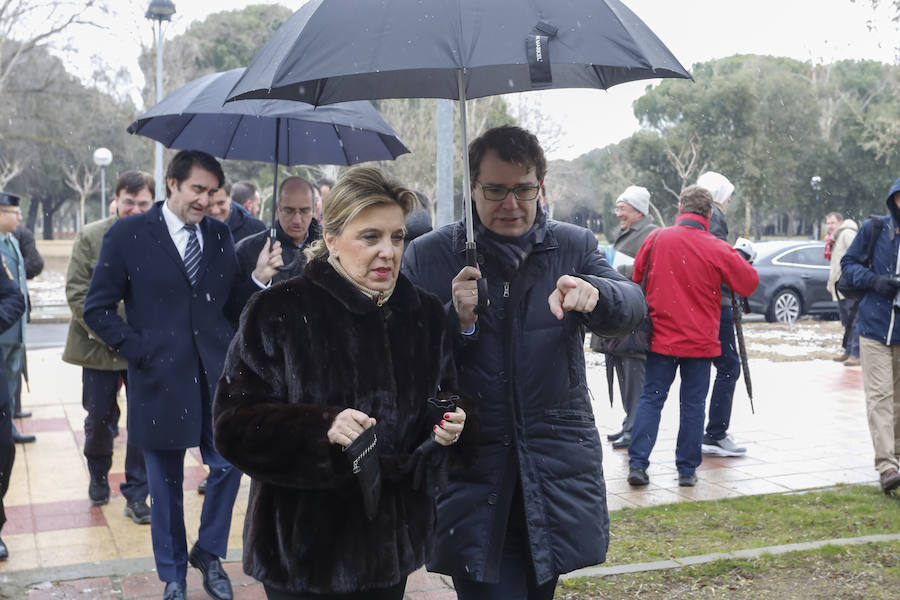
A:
[622,442]
[175,590]
[215,579]
[4,551]
[22,414]
[614,436]
[23,438]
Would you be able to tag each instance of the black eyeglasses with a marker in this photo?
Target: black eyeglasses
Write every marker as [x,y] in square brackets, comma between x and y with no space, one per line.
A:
[289,212]
[498,193]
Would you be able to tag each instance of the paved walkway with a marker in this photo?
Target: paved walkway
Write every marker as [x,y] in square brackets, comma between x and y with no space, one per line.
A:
[809,431]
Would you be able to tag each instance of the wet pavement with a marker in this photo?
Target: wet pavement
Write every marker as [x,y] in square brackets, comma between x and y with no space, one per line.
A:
[809,431]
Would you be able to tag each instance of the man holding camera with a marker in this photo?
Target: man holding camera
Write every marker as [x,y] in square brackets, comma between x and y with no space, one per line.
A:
[879,334]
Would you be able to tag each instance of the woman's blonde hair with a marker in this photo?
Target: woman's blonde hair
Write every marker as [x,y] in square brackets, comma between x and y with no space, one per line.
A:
[358,189]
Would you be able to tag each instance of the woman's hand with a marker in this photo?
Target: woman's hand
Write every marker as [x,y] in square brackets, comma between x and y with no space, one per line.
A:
[348,425]
[449,429]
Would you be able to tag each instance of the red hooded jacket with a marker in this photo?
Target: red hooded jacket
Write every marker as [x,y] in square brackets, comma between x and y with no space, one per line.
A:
[687,267]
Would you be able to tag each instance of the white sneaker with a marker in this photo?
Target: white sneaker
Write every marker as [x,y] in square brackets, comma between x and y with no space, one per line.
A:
[723,447]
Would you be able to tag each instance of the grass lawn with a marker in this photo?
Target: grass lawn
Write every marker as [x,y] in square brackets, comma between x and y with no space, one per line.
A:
[692,528]
[866,572]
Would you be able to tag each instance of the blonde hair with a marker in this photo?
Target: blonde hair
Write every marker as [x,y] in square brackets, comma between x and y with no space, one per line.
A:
[358,189]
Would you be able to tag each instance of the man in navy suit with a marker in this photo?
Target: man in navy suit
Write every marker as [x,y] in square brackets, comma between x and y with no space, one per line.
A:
[183,296]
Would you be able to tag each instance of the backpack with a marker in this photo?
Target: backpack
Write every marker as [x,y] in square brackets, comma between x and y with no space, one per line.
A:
[843,285]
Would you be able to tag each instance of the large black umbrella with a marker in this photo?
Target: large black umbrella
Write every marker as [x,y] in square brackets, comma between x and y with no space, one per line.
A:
[196,117]
[337,50]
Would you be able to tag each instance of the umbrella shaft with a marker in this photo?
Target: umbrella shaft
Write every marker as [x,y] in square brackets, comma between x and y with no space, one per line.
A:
[467,185]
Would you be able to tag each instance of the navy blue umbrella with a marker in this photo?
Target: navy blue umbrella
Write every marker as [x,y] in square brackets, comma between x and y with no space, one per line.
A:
[338,50]
[195,117]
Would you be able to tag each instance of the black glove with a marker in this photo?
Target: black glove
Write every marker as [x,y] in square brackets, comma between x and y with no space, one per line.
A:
[885,285]
[428,462]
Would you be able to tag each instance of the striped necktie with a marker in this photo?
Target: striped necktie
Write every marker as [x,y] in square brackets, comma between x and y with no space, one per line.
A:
[192,254]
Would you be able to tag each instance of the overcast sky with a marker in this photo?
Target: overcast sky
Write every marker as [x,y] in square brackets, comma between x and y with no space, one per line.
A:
[820,31]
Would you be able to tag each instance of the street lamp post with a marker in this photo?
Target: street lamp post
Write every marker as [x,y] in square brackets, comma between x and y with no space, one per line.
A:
[159,11]
[102,158]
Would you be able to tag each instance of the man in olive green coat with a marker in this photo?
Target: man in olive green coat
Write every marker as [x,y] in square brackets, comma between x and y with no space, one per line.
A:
[102,368]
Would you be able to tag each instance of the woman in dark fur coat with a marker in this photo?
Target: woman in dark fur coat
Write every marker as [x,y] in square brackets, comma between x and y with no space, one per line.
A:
[317,361]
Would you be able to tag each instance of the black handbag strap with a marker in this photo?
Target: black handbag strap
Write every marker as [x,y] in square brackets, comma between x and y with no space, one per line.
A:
[877,225]
[647,268]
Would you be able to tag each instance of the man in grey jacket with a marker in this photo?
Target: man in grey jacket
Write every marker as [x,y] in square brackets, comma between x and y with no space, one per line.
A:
[624,355]
[842,232]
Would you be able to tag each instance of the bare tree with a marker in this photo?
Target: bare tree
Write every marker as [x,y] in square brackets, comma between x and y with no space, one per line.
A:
[686,163]
[83,180]
[40,21]
[526,109]
[9,169]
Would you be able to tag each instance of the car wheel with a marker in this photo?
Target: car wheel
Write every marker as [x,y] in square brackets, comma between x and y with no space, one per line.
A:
[785,307]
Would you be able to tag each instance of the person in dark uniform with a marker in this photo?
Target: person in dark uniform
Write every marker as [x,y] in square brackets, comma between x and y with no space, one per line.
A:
[12,307]
[12,340]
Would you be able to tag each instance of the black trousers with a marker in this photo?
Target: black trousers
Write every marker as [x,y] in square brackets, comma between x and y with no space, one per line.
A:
[7,447]
[98,397]
[394,592]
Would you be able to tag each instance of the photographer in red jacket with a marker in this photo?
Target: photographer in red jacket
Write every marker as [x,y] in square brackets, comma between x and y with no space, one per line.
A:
[685,266]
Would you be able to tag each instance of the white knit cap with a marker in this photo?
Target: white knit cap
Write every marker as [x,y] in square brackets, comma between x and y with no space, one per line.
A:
[717,185]
[638,197]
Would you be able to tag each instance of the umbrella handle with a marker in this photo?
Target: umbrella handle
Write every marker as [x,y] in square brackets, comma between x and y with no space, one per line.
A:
[481,282]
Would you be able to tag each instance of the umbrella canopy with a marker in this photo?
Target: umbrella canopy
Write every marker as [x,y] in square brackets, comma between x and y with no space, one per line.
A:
[196,117]
[338,50]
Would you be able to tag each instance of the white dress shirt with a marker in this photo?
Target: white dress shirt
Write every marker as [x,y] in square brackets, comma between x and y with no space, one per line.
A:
[180,237]
[176,228]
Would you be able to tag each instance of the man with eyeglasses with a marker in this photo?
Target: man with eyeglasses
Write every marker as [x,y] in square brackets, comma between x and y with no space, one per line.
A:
[102,369]
[240,222]
[12,341]
[295,229]
[533,506]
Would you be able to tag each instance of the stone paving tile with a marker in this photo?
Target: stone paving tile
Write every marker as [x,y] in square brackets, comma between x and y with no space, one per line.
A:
[49,483]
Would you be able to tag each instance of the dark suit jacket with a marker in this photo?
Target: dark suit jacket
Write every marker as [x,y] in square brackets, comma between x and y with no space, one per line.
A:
[176,336]
[248,250]
[241,223]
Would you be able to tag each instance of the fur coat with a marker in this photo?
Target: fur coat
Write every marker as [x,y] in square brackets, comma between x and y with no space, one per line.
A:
[307,349]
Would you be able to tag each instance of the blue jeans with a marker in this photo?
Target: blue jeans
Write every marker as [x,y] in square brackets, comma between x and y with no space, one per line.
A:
[849,313]
[728,371]
[658,379]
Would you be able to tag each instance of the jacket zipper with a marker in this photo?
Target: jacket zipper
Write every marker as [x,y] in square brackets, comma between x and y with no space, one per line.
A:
[890,331]
[506,289]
